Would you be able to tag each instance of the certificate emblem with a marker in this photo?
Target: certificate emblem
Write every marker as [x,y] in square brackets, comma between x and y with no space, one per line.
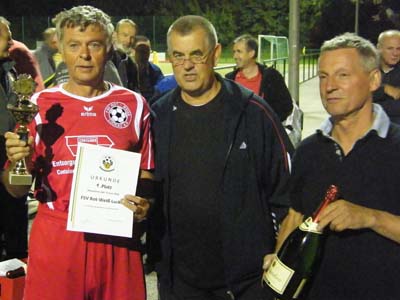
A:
[107,163]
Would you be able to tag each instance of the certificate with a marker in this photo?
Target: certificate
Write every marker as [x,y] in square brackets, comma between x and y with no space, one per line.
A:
[102,177]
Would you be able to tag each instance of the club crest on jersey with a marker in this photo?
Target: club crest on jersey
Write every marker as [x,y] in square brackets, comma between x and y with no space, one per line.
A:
[107,163]
[118,115]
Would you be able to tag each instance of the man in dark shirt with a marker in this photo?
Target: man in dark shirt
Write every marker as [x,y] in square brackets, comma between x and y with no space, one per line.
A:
[358,150]
[388,94]
[149,74]
[222,158]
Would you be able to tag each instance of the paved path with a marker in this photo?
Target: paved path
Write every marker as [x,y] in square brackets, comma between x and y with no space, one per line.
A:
[310,103]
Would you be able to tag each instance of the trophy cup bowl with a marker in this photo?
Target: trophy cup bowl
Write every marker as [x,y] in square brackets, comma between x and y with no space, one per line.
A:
[23,112]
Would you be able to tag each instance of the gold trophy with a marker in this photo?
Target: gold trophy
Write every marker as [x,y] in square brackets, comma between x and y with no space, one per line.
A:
[23,112]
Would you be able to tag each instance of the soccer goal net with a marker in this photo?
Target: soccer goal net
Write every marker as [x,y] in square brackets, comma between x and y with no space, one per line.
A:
[272,47]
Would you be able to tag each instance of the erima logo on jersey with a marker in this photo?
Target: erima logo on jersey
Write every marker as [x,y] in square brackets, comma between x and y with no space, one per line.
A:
[88,112]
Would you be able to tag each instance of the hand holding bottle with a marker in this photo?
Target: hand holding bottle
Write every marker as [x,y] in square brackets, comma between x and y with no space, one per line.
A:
[292,267]
[341,215]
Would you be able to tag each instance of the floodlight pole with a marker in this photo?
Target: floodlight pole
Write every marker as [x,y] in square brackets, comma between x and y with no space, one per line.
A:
[356,16]
[294,23]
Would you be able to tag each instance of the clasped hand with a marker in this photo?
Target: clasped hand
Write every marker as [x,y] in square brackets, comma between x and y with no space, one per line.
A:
[140,206]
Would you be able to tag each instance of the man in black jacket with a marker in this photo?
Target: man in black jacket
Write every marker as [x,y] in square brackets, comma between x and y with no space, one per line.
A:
[222,158]
[268,83]
[13,211]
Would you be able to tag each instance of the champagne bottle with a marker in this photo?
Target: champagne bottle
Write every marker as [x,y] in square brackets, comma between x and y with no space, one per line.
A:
[299,255]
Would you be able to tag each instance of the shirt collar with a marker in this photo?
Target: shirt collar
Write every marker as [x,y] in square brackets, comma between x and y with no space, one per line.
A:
[380,124]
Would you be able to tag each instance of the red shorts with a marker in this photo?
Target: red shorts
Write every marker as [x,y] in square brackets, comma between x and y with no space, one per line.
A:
[63,266]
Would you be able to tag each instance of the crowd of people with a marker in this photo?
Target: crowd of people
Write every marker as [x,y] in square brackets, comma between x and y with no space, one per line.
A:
[220,184]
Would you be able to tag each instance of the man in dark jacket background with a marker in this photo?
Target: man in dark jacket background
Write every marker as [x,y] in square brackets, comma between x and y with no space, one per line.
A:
[13,212]
[388,94]
[124,40]
[266,82]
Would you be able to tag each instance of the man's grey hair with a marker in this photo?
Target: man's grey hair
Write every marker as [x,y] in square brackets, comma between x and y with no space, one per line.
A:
[387,33]
[125,21]
[187,24]
[83,16]
[367,51]
[4,21]
[48,33]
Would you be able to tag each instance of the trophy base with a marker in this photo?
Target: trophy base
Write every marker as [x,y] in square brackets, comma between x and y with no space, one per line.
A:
[20,179]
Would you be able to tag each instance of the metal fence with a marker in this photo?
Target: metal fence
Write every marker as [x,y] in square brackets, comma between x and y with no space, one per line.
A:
[308,68]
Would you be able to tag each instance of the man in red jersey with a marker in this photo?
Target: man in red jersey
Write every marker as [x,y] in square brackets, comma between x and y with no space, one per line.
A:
[72,265]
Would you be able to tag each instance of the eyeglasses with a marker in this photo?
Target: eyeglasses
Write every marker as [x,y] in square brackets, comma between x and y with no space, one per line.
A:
[179,59]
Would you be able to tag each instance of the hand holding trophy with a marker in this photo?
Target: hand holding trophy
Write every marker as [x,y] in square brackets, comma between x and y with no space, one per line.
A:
[23,112]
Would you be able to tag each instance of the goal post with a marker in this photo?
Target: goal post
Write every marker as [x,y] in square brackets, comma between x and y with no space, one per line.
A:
[272,47]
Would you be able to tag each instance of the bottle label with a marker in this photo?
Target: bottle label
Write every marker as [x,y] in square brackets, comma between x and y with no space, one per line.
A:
[278,276]
[310,226]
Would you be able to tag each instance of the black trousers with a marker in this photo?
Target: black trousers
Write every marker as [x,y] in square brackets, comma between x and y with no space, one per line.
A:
[13,220]
[183,291]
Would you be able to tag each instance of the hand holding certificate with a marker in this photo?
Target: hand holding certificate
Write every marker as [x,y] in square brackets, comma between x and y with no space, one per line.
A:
[102,177]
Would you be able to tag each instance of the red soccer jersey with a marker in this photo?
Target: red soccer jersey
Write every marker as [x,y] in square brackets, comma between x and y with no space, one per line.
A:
[119,118]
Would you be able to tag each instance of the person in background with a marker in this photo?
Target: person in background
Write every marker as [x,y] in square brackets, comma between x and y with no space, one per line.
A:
[45,55]
[68,264]
[25,61]
[266,82]
[13,212]
[222,158]
[125,35]
[357,149]
[124,38]
[149,74]
[388,94]
[163,86]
